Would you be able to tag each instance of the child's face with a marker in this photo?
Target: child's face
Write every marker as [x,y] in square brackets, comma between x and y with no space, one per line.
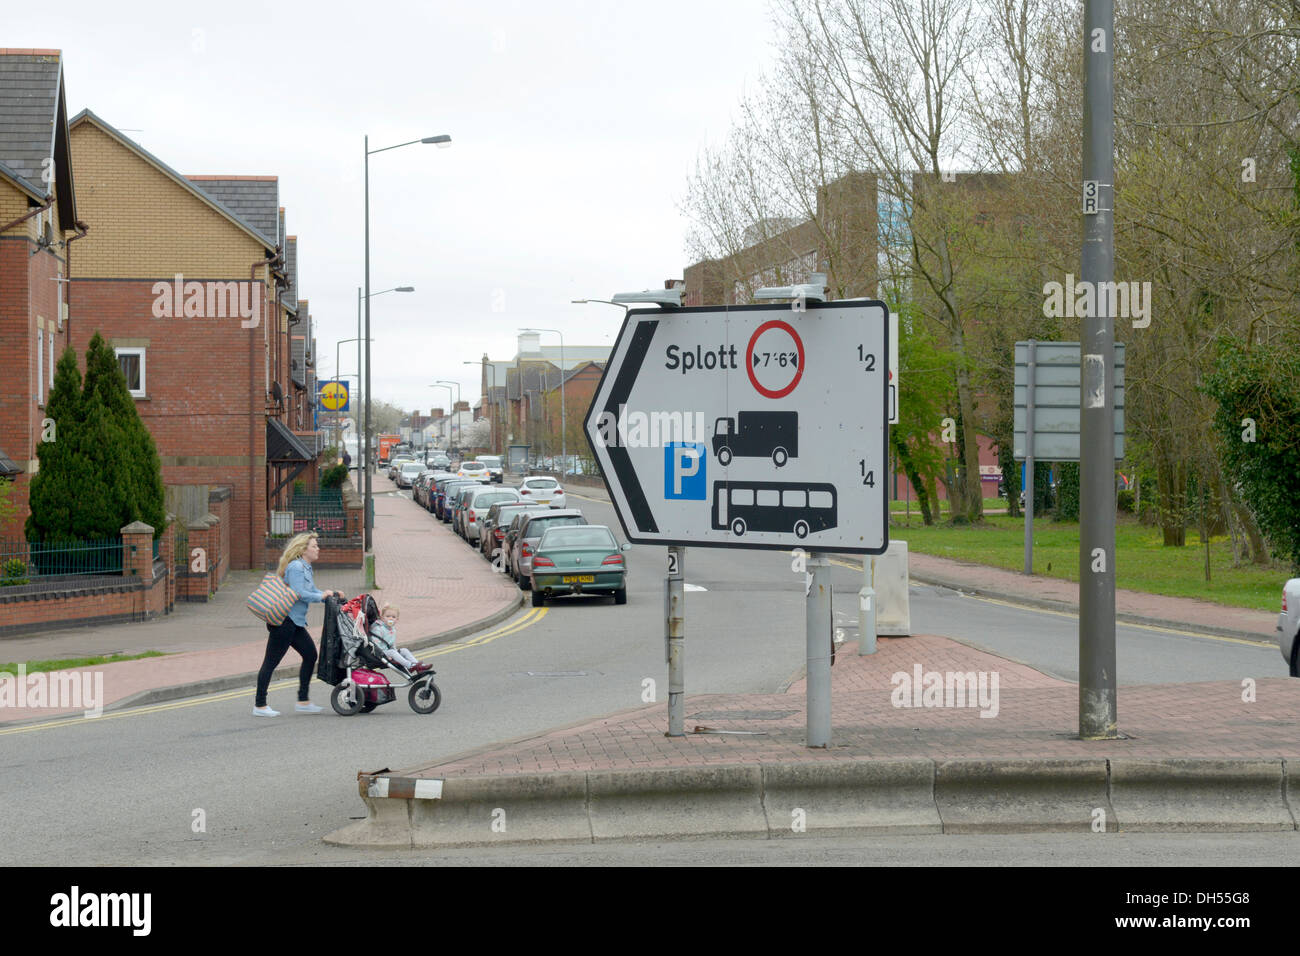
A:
[390,619]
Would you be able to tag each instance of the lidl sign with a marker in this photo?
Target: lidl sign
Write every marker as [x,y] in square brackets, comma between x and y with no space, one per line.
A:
[334,396]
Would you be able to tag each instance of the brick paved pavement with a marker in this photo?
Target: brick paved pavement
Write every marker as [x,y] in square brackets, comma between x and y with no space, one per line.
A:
[1037,717]
[439,584]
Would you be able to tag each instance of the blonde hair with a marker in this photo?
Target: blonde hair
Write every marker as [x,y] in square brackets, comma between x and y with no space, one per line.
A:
[295,549]
[383,611]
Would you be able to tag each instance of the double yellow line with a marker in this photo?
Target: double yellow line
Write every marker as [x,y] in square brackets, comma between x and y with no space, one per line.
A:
[505,630]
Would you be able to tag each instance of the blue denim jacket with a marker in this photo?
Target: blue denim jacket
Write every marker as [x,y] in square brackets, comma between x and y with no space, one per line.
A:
[298,576]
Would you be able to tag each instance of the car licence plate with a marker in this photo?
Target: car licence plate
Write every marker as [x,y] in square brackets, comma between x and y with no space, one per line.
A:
[579,579]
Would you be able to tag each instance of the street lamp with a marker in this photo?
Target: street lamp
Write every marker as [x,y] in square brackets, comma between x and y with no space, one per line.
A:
[450,401]
[442,141]
[445,383]
[564,438]
[605,301]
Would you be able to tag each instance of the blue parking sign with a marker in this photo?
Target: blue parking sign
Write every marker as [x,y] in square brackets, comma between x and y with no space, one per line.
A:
[685,471]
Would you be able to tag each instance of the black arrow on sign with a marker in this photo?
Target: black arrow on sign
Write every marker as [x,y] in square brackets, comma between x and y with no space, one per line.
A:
[637,350]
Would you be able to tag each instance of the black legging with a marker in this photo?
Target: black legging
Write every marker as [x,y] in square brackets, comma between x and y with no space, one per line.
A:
[278,642]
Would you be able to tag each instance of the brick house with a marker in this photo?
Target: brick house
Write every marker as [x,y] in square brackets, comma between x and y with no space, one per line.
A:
[38,223]
[187,279]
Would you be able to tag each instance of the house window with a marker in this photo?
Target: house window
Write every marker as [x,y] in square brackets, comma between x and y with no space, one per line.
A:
[131,361]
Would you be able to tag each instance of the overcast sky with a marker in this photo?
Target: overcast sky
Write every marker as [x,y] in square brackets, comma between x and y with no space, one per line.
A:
[574,126]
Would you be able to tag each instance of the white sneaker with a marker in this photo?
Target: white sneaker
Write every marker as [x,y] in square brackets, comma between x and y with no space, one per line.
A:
[265,712]
[306,707]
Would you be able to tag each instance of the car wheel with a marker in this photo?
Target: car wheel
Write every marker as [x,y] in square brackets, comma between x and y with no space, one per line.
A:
[525,584]
[801,529]
[539,599]
[1295,657]
[780,457]
[724,456]
[346,699]
[738,527]
[620,596]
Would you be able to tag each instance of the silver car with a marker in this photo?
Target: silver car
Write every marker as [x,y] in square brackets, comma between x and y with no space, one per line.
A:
[477,509]
[1288,626]
[530,532]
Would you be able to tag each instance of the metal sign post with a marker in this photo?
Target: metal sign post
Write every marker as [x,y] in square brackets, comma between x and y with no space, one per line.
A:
[819,651]
[676,631]
[1029,461]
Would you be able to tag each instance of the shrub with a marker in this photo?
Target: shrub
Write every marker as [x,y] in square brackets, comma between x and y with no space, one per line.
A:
[334,476]
[13,572]
[1124,500]
[300,487]
[1067,491]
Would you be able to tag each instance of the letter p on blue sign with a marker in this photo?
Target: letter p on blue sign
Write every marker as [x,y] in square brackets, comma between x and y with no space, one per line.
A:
[685,466]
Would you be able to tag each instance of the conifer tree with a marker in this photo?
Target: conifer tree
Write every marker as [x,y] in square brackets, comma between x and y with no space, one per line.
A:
[58,485]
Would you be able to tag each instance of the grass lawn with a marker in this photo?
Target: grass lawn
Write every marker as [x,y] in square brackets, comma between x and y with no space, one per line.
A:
[990,504]
[36,666]
[1142,564]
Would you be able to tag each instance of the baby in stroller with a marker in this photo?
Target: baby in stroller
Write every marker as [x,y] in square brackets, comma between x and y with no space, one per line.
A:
[384,631]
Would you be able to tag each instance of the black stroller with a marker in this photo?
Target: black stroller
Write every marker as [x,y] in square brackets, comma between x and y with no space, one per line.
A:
[354,662]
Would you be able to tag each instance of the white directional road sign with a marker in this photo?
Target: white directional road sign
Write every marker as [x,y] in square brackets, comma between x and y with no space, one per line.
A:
[750,427]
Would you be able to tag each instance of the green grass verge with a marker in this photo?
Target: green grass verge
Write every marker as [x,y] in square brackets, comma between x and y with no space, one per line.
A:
[990,504]
[1143,563]
[33,667]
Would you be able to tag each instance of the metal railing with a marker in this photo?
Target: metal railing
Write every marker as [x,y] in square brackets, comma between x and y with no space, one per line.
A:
[323,513]
[23,562]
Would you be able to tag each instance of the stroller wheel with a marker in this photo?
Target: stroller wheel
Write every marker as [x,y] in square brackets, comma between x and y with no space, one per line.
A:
[346,699]
[424,696]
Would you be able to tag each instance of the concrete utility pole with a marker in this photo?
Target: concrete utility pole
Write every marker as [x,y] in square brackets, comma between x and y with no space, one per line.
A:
[1097,679]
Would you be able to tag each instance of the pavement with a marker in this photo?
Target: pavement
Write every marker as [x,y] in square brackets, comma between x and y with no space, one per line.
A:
[1215,755]
[219,646]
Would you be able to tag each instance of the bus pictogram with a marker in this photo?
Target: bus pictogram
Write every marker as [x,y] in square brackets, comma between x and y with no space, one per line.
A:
[801,508]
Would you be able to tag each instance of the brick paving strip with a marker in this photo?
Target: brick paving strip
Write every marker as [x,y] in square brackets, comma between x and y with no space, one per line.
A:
[1193,757]
[418,568]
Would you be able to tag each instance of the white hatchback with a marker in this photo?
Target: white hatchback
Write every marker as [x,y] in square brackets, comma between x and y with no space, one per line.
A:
[475,470]
[542,491]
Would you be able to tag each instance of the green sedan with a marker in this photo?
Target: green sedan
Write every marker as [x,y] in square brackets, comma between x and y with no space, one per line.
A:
[579,559]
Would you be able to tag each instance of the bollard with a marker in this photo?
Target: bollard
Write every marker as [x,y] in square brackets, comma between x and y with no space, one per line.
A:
[867,616]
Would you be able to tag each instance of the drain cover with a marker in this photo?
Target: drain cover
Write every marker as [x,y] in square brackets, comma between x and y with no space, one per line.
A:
[743,715]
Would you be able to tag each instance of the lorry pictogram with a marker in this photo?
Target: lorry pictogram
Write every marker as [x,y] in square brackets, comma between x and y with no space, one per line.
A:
[757,435]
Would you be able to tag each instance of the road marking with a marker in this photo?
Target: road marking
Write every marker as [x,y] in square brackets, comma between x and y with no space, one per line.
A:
[530,618]
[1074,616]
[595,501]
[693,587]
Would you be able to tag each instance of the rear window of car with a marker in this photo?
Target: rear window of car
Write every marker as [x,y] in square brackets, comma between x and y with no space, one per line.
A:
[540,483]
[471,464]
[577,538]
[488,499]
[491,462]
[539,526]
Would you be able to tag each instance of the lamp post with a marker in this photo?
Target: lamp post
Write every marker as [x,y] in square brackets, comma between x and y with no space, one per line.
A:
[604,301]
[363,453]
[442,142]
[564,438]
[450,401]
[445,383]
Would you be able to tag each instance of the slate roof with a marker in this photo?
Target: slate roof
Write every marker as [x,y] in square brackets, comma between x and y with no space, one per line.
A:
[30,81]
[289,297]
[34,127]
[254,199]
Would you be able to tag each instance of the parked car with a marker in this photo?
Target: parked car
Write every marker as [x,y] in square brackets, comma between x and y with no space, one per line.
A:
[495,525]
[407,474]
[1288,626]
[529,534]
[579,560]
[442,500]
[437,459]
[395,464]
[493,464]
[544,490]
[460,503]
[477,508]
[512,535]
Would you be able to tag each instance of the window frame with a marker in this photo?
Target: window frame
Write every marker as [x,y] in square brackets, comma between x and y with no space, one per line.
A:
[138,351]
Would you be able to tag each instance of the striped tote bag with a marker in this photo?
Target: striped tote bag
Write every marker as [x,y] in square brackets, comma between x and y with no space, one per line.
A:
[272,600]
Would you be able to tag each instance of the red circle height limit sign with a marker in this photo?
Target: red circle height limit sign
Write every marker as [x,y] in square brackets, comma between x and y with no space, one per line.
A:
[774,359]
